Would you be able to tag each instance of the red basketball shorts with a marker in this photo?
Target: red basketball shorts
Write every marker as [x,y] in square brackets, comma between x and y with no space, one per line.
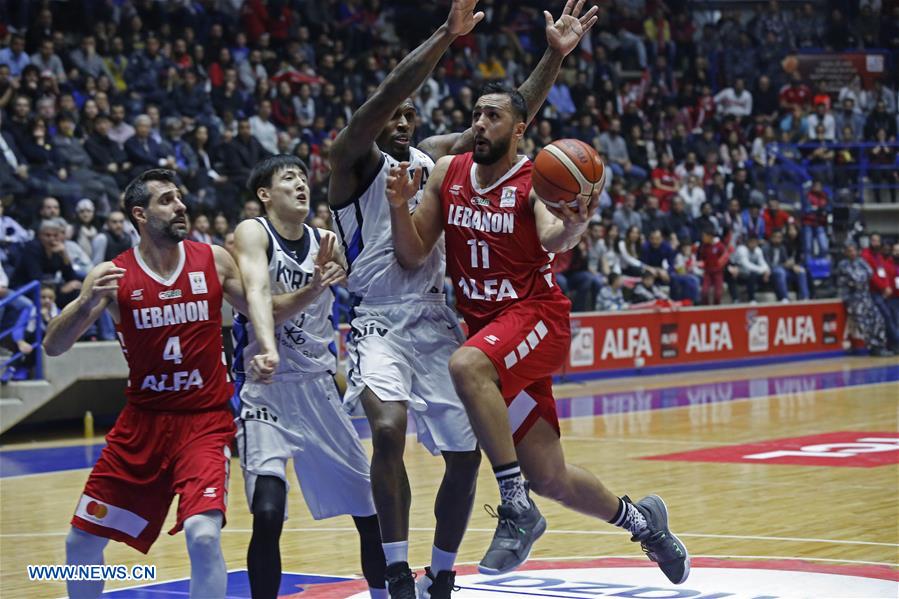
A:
[149,458]
[527,343]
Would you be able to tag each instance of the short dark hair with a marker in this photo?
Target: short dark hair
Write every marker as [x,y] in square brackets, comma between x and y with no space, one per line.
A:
[263,173]
[137,194]
[519,104]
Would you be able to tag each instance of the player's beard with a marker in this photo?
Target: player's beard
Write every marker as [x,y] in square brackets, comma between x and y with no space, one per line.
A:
[495,151]
[166,230]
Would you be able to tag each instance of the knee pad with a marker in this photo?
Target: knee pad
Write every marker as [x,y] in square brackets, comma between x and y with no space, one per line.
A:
[204,532]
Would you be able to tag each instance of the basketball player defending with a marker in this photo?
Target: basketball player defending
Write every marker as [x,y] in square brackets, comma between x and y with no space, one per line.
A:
[500,240]
[403,333]
[173,437]
[296,413]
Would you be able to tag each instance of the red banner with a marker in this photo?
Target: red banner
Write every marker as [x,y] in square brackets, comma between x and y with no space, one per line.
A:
[602,341]
[618,340]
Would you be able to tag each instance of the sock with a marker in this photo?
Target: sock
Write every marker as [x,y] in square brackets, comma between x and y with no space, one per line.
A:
[511,486]
[396,552]
[441,560]
[629,518]
[378,593]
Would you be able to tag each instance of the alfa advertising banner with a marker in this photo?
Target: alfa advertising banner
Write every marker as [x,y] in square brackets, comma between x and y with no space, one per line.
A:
[621,340]
[606,341]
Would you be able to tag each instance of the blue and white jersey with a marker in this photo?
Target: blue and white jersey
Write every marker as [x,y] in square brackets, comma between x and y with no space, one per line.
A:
[305,341]
[363,224]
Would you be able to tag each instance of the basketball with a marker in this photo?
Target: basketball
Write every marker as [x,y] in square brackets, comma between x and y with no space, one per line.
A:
[566,169]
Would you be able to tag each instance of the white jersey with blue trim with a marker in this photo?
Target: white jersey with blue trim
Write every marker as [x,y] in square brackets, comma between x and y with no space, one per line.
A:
[305,341]
[363,224]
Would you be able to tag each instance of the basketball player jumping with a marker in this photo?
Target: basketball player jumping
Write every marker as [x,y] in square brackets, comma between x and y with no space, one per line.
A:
[173,437]
[403,333]
[499,239]
[296,413]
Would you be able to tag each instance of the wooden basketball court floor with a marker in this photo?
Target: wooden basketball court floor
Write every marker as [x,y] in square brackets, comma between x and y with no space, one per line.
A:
[814,510]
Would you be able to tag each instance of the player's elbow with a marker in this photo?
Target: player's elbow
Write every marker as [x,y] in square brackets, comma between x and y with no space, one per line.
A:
[52,348]
[410,260]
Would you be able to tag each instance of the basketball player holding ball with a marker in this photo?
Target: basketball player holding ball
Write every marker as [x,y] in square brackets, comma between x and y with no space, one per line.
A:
[500,239]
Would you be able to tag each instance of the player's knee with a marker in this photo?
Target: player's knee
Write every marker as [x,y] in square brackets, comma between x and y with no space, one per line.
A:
[268,519]
[203,535]
[463,465]
[388,434]
[83,547]
[467,364]
[552,485]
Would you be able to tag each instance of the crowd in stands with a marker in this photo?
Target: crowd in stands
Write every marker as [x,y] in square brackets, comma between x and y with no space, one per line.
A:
[724,164]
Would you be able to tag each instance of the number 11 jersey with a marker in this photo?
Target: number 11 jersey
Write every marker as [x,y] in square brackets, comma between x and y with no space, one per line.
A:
[171,332]
[493,254]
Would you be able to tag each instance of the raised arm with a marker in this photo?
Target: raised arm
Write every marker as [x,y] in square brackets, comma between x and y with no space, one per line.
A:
[414,235]
[562,36]
[354,155]
[97,293]
[560,230]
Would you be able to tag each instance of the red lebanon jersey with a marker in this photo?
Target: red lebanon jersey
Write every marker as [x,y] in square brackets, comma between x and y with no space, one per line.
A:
[171,332]
[493,254]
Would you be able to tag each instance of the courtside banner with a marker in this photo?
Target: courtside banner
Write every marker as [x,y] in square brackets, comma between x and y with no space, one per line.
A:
[662,337]
[672,336]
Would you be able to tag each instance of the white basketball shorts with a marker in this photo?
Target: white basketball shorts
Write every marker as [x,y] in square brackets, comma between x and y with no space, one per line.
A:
[400,349]
[301,417]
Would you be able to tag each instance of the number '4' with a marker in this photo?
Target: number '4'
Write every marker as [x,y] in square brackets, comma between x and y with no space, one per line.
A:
[172,350]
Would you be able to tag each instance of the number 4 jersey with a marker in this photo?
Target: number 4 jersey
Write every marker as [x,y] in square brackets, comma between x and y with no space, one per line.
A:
[494,256]
[171,332]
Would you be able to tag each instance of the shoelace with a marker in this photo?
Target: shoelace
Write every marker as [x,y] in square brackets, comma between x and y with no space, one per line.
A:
[506,523]
[455,588]
[394,579]
[648,541]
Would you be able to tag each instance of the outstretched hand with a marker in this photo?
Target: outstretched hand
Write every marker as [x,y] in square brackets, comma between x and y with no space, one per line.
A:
[564,34]
[104,284]
[462,18]
[400,188]
[327,271]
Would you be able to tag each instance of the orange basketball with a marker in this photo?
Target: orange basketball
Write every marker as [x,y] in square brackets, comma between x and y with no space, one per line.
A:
[566,169]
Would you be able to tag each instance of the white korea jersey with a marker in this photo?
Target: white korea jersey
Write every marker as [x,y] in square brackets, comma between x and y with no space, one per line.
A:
[305,341]
[363,224]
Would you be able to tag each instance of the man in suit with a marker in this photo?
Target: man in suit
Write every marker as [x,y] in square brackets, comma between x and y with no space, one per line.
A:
[143,151]
[106,155]
[242,153]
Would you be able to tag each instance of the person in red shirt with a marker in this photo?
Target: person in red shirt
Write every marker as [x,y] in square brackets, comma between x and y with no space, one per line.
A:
[795,93]
[883,285]
[893,302]
[174,435]
[814,221]
[714,256]
[498,237]
[664,182]
[775,218]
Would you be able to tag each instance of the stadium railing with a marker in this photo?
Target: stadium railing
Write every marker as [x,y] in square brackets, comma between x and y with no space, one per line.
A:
[33,290]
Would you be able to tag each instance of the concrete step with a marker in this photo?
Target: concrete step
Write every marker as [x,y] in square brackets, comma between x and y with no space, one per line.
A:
[95,360]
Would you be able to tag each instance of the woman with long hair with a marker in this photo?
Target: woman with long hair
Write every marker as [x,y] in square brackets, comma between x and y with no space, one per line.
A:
[629,251]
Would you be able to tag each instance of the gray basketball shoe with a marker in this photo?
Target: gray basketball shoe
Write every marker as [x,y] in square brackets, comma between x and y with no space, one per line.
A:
[658,542]
[516,532]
